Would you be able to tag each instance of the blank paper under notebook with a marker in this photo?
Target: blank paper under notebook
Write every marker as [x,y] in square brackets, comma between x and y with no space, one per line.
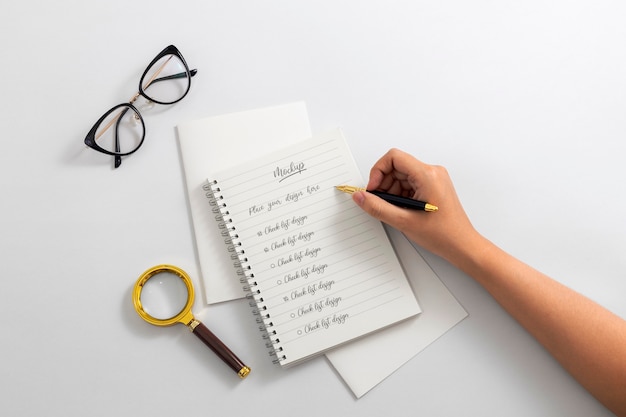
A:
[321,271]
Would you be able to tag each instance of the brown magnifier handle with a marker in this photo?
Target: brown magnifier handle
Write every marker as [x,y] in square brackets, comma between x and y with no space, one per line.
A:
[220,349]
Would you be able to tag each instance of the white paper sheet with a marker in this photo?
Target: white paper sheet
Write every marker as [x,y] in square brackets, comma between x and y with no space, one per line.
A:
[387,350]
[216,143]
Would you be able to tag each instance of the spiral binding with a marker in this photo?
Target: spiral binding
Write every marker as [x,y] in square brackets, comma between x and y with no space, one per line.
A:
[229,234]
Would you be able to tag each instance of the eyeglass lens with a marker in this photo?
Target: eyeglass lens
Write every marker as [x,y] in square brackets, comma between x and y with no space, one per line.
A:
[121,131]
[166,81]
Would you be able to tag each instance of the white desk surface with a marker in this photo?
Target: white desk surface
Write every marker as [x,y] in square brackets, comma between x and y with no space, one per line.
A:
[523,102]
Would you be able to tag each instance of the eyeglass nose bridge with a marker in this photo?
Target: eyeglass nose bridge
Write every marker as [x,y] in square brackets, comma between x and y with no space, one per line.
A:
[134,98]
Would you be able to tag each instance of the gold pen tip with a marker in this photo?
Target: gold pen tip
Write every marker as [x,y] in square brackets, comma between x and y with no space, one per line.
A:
[348,188]
[430,207]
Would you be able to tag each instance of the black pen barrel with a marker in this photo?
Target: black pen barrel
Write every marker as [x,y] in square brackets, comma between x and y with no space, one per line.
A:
[400,201]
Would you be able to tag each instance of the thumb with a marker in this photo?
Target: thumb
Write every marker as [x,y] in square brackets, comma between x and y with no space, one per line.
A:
[380,209]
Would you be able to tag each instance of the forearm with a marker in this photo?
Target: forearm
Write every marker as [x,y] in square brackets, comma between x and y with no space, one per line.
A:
[588,340]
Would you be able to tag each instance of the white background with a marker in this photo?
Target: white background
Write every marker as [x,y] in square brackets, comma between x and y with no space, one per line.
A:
[523,102]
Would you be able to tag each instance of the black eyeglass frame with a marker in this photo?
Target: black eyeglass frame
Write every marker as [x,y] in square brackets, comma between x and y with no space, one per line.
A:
[90,139]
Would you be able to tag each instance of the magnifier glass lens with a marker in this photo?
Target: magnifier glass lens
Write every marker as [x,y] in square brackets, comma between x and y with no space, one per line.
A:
[164,295]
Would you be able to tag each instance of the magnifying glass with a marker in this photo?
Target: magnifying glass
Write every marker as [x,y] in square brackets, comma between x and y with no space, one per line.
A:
[163,296]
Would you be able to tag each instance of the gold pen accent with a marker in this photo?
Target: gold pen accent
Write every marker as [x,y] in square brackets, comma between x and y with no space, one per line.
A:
[349,189]
[396,200]
[243,372]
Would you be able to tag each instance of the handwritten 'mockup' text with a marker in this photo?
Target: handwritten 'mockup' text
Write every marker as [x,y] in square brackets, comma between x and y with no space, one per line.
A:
[286,172]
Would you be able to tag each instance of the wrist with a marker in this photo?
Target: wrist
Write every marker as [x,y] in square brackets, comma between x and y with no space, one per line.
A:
[470,254]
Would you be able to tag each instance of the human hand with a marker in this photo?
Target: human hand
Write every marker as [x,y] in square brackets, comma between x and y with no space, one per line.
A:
[446,232]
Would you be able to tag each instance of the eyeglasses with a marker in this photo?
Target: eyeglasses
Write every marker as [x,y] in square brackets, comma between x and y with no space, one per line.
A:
[121,130]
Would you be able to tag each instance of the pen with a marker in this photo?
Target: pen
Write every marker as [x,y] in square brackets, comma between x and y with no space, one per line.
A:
[396,200]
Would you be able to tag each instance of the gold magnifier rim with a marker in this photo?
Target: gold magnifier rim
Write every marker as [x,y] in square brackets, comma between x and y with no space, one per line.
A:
[184,316]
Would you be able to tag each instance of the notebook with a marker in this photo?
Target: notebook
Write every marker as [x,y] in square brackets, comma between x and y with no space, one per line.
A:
[319,271]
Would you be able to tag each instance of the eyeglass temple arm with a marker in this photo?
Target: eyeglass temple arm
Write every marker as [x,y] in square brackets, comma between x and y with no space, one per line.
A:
[176,76]
[118,120]
[171,77]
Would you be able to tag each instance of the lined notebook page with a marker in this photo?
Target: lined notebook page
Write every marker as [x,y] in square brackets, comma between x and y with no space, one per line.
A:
[321,270]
